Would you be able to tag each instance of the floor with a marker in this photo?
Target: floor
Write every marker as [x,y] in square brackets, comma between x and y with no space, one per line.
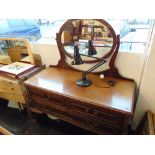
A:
[18,123]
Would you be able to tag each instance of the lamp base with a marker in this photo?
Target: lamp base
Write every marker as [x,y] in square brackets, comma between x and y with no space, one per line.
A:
[83,83]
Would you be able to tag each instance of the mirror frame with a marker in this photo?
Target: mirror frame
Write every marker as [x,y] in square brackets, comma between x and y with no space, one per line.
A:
[98,20]
[29,50]
[112,71]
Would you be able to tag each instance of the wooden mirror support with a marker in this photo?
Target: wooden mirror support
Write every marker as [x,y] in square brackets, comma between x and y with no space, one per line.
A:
[110,55]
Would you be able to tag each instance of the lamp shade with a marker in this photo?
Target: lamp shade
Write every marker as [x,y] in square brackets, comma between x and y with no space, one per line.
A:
[77,58]
[91,49]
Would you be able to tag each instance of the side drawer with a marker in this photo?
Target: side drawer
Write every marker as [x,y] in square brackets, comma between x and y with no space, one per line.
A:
[10,86]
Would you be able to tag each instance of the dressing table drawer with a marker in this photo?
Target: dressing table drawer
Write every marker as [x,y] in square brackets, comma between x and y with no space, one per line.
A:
[73,104]
[92,116]
[74,117]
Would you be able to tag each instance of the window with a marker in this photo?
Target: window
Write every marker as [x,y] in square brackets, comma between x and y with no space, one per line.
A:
[3,24]
[49,28]
[133,32]
[30,22]
[15,23]
[28,29]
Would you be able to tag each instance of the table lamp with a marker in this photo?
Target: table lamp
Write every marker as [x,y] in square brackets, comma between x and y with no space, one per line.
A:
[77,58]
[91,49]
[84,81]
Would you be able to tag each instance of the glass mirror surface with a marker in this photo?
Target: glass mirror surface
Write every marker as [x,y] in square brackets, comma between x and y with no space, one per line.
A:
[81,31]
[13,51]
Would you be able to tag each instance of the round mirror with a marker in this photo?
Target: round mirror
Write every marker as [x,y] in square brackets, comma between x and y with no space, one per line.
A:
[96,33]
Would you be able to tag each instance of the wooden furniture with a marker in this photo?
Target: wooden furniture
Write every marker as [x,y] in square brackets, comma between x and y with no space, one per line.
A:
[93,34]
[3,131]
[18,50]
[84,29]
[11,88]
[147,124]
[96,108]
[16,53]
[105,107]
[5,59]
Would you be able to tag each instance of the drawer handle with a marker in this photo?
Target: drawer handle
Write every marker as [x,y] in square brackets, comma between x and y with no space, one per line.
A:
[66,105]
[95,124]
[46,96]
[87,121]
[95,113]
[87,110]
[92,124]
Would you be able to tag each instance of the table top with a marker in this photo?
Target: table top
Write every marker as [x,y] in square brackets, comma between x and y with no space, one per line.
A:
[61,81]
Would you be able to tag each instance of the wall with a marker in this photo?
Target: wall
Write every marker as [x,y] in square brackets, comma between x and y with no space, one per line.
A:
[128,64]
[49,53]
[146,98]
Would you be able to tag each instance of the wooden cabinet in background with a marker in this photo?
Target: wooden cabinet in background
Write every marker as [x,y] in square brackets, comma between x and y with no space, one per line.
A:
[17,63]
[5,59]
[11,88]
[17,53]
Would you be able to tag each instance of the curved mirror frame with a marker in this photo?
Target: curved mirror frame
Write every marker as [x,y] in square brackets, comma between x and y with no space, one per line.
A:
[22,44]
[66,58]
[72,23]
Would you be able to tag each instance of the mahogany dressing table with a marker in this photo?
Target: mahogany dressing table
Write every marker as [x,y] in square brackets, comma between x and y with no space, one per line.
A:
[103,107]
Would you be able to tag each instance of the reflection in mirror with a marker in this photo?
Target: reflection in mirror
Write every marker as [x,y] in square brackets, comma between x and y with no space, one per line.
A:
[95,41]
[15,50]
[84,30]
